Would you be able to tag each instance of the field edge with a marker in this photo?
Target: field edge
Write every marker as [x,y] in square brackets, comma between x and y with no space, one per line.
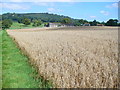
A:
[39,81]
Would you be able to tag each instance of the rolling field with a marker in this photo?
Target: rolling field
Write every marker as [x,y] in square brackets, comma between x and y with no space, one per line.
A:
[73,57]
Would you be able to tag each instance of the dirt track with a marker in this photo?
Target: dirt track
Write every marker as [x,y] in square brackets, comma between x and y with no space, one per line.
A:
[84,57]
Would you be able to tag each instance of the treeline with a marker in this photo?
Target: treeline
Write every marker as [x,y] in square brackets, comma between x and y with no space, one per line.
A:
[44,17]
[39,18]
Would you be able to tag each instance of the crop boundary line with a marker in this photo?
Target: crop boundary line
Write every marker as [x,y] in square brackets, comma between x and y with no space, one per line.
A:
[25,53]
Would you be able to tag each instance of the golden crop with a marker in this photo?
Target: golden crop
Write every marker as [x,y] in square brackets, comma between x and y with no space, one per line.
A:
[73,57]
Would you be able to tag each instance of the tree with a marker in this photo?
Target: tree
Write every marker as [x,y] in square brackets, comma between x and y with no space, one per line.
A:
[81,21]
[20,20]
[103,23]
[118,24]
[66,21]
[37,23]
[112,22]
[46,24]
[26,21]
[94,23]
[6,24]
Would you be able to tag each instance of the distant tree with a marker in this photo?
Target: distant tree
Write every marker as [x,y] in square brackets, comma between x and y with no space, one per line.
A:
[77,24]
[26,21]
[6,24]
[112,22]
[46,24]
[37,22]
[91,23]
[20,20]
[81,22]
[94,23]
[66,21]
[103,23]
[0,24]
[118,24]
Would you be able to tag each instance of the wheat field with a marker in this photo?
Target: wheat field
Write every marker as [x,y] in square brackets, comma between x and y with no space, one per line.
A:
[73,57]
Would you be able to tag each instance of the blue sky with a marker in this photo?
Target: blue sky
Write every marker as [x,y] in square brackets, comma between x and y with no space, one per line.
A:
[101,11]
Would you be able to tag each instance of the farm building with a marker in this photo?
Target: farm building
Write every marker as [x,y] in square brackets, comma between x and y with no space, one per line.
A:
[100,25]
[56,25]
[86,24]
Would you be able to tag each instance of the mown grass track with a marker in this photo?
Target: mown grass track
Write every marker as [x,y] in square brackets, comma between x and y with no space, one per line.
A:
[16,71]
[0,59]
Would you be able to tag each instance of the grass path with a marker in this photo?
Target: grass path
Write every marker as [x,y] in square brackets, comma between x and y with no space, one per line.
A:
[0,59]
[17,73]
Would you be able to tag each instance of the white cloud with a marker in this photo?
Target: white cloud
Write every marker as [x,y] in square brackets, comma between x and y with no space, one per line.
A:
[114,5]
[14,6]
[44,3]
[92,16]
[53,10]
[104,12]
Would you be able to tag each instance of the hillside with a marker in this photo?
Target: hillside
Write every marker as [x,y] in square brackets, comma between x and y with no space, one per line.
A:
[45,17]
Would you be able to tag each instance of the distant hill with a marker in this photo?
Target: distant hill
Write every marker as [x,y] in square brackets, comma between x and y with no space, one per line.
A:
[45,17]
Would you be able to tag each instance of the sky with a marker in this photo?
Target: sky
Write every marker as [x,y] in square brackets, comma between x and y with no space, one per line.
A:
[101,11]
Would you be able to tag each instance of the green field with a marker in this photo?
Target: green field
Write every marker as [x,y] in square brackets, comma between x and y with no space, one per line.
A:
[17,25]
[16,71]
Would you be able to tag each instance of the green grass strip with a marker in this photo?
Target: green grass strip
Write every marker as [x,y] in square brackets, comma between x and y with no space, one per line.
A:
[0,59]
[17,72]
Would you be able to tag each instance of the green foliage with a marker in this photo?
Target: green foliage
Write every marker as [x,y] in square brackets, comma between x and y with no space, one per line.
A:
[66,21]
[118,24]
[6,24]
[26,21]
[44,17]
[94,23]
[17,25]
[81,21]
[112,22]
[37,23]
[20,20]
[103,23]
[0,25]
[46,24]
[1,59]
